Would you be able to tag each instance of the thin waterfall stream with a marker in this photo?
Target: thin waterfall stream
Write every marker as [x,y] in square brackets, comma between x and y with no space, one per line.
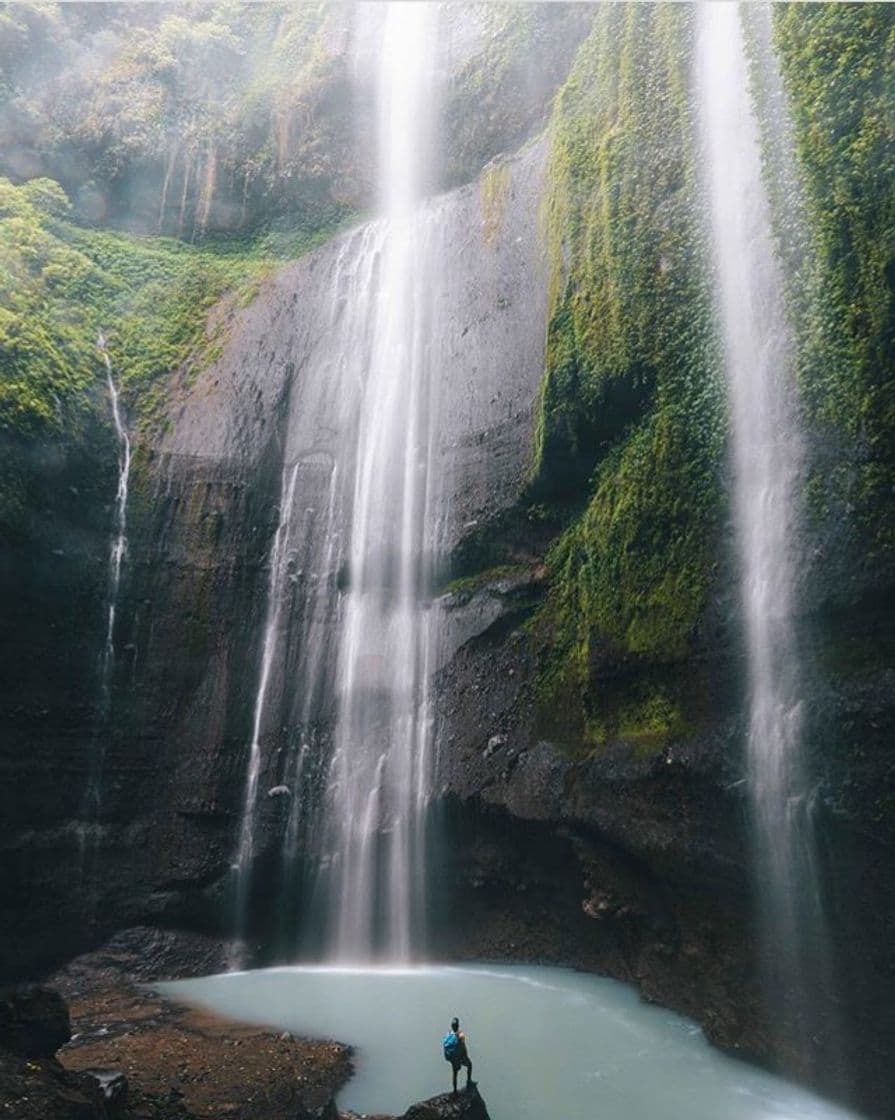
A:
[766,464]
[117,551]
[91,803]
[245,850]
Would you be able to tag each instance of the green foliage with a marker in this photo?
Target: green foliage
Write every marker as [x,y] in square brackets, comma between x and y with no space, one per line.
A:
[646,716]
[60,285]
[838,64]
[494,186]
[632,406]
[635,564]
[180,118]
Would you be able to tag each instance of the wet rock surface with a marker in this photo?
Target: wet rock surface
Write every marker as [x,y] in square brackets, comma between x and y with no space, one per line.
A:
[41,1089]
[113,1087]
[133,1056]
[34,1024]
[203,508]
[465,1104]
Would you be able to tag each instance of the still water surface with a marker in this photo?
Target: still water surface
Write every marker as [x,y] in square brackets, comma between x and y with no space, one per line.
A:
[545,1042]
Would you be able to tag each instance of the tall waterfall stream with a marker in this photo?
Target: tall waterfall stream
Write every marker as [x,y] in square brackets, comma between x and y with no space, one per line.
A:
[379,776]
[766,463]
[380,532]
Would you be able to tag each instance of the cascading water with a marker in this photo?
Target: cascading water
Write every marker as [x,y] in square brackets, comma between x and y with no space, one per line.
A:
[379,773]
[766,460]
[87,829]
[245,851]
[117,552]
[389,471]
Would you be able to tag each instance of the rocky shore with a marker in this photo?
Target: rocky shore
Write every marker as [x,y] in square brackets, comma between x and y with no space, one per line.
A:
[101,1045]
[132,1056]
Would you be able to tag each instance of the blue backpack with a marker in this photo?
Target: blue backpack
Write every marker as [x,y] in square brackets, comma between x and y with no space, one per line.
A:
[450,1044]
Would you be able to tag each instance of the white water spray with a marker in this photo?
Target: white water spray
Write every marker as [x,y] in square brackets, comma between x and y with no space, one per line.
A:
[380,769]
[767,460]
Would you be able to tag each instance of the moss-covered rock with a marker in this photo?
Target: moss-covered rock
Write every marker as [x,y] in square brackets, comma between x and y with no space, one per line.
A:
[61,284]
[838,65]
[632,410]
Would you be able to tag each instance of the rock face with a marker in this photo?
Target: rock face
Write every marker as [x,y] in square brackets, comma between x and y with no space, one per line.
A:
[203,509]
[113,1086]
[33,1022]
[43,1090]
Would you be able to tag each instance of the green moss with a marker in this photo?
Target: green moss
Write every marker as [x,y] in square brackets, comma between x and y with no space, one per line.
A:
[468,585]
[495,184]
[632,409]
[61,284]
[647,720]
[838,64]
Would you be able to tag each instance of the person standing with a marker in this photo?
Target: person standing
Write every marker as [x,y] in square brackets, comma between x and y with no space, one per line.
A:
[456,1053]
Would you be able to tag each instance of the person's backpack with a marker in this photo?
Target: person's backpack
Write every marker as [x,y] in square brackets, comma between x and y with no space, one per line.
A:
[450,1044]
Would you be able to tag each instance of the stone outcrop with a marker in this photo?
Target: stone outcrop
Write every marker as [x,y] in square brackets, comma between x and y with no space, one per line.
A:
[34,1022]
[466,1104]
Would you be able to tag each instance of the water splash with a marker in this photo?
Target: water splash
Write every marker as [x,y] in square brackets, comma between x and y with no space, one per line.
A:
[767,457]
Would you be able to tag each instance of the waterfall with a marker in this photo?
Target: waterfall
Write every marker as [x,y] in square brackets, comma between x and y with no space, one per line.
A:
[116,558]
[379,773]
[766,450]
[246,844]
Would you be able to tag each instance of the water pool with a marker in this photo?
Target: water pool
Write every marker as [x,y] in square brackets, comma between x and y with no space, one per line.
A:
[546,1043]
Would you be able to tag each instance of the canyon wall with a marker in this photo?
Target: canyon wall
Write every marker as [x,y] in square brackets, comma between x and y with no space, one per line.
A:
[591,784]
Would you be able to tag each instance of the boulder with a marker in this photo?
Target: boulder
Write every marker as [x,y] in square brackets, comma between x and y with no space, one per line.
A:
[34,1022]
[113,1086]
[467,1104]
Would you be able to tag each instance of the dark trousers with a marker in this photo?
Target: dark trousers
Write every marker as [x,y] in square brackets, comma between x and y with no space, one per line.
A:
[456,1065]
